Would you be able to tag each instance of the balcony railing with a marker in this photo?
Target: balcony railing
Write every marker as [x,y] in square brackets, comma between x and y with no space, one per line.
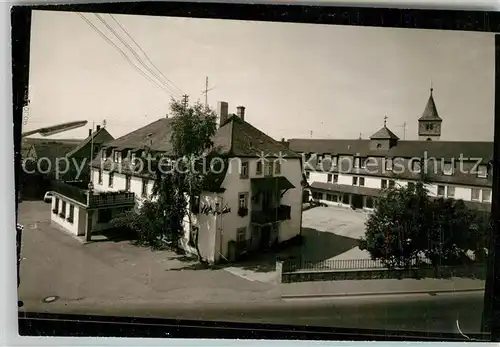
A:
[280,213]
[104,199]
[95,199]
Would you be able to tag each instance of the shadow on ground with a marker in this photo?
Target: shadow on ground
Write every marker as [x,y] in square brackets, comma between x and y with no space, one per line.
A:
[313,246]
[114,235]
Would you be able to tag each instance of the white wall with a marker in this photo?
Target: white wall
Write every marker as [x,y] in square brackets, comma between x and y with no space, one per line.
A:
[75,227]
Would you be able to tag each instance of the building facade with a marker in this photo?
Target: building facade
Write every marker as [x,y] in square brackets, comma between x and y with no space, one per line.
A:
[252,201]
[353,173]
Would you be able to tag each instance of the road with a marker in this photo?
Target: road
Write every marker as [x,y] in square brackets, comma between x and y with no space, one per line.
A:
[120,279]
[422,313]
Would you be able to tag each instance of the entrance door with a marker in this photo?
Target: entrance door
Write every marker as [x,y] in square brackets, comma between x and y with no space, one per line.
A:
[357,201]
[265,236]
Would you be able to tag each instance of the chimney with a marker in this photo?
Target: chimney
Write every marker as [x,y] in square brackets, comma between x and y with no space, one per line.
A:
[222,108]
[90,132]
[98,127]
[240,112]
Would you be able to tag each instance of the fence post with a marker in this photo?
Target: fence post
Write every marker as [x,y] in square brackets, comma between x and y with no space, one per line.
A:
[279,271]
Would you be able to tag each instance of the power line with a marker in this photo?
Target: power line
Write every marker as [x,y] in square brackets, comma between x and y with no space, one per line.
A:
[135,53]
[122,52]
[145,54]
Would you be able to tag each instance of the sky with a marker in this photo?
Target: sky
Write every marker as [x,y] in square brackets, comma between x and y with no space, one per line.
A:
[295,80]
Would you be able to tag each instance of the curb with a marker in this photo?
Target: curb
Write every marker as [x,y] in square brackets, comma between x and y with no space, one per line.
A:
[430,292]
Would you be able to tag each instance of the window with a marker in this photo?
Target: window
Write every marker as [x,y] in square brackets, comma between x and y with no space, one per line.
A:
[440,191]
[448,169]
[362,162]
[258,169]
[482,171]
[415,166]
[411,185]
[110,180]
[319,159]
[243,200]
[331,197]
[450,192]
[241,234]
[127,183]
[116,157]
[277,167]
[354,181]
[317,195]
[486,195]
[308,174]
[388,164]
[244,170]
[144,190]
[63,210]
[362,181]
[475,194]
[383,184]
[329,178]
[269,168]
[335,178]
[100,177]
[71,213]
[392,184]
[356,163]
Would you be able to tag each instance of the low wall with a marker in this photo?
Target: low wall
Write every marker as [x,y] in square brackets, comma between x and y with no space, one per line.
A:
[475,272]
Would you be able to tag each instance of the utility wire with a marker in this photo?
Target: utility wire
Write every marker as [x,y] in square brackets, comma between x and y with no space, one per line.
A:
[122,52]
[131,49]
[146,55]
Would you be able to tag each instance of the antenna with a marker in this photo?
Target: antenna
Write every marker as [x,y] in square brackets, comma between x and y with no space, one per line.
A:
[205,92]
[404,130]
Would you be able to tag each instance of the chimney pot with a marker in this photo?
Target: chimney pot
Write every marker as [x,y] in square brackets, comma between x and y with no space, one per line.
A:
[90,132]
[240,112]
[98,127]
[222,111]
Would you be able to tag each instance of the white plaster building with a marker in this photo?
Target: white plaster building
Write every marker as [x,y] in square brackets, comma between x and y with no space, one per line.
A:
[353,172]
[251,204]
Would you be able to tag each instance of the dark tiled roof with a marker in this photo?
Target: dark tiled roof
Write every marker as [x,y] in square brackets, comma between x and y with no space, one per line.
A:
[241,139]
[235,138]
[342,188]
[384,134]
[156,135]
[100,132]
[53,150]
[430,111]
[404,149]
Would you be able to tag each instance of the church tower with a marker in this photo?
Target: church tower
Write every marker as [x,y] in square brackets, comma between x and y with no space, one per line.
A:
[429,125]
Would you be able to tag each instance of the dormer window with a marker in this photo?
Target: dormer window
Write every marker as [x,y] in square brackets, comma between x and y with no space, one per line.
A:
[448,169]
[388,164]
[415,166]
[482,171]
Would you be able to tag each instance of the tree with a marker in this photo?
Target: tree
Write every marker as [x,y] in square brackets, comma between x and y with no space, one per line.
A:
[179,179]
[408,224]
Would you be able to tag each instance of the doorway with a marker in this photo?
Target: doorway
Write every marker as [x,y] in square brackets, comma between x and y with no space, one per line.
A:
[357,201]
[265,236]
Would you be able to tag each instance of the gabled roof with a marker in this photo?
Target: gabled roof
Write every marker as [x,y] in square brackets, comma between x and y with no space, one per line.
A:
[384,134]
[52,150]
[235,138]
[241,139]
[156,135]
[83,143]
[430,111]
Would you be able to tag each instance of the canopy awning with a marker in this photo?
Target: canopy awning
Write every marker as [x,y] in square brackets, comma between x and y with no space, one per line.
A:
[278,183]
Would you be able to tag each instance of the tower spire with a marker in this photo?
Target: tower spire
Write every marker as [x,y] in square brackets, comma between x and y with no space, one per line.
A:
[432,88]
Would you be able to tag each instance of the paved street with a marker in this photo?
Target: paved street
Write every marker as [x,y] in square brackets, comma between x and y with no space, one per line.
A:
[405,312]
[117,278]
[56,264]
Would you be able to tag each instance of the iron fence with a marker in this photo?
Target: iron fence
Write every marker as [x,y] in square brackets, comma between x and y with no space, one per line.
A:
[338,264]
